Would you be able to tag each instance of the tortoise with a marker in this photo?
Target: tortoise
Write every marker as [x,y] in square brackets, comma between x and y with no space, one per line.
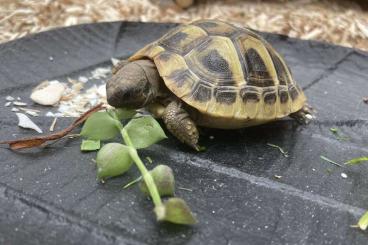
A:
[211,74]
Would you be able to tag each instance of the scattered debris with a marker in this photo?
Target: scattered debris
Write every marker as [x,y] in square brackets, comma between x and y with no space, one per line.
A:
[277,176]
[309,116]
[114,61]
[32,113]
[329,171]
[336,132]
[185,189]
[285,153]
[14,109]
[52,126]
[132,182]
[83,79]
[40,140]
[212,137]
[76,99]
[28,109]
[9,98]
[25,122]
[149,160]
[100,72]
[363,222]
[330,161]
[51,114]
[356,160]
[72,136]
[8,103]
[344,175]
[101,90]
[365,100]
[18,103]
[48,92]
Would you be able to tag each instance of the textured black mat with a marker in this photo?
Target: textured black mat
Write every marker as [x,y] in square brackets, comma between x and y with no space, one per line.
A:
[50,196]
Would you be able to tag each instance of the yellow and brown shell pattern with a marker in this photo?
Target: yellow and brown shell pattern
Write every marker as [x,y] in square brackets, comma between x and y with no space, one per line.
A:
[225,71]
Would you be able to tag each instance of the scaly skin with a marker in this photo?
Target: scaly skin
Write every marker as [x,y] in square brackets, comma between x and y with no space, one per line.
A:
[304,115]
[179,123]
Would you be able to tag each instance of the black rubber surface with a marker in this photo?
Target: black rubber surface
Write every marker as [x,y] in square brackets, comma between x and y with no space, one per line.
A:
[51,196]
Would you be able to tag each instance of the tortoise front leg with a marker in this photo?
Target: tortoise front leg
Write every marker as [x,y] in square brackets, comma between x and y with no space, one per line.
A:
[179,123]
[304,115]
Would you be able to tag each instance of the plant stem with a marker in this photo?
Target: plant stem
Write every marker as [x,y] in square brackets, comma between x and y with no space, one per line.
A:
[142,168]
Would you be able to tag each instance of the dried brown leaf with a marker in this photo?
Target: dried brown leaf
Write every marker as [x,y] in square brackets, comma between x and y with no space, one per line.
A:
[40,140]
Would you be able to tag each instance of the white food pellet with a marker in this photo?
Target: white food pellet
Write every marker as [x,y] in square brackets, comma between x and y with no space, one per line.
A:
[344,175]
[83,79]
[9,98]
[18,103]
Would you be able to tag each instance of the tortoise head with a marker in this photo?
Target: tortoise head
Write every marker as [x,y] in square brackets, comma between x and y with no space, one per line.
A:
[133,84]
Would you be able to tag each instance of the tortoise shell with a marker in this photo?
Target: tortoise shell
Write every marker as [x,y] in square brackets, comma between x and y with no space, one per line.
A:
[225,71]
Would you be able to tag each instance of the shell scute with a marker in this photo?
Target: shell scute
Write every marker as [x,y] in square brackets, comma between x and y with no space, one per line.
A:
[183,39]
[216,61]
[216,28]
[225,71]
[201,92]
[225,95]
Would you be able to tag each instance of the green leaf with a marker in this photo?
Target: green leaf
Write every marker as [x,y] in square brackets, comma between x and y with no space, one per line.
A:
[123,113]
[90,145]
[363,222]
[175,210]
[112,160]
[357,160]
[163,177]
[144,131]
[100,126]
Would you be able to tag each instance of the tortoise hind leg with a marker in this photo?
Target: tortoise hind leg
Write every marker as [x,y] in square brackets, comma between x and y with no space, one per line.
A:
[179,123]
[304,115]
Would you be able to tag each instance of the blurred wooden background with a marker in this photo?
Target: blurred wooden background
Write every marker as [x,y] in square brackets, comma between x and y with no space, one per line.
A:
[335,21]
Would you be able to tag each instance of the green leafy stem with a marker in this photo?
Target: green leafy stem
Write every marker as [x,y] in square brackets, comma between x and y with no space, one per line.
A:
[114,159]
[145,174]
